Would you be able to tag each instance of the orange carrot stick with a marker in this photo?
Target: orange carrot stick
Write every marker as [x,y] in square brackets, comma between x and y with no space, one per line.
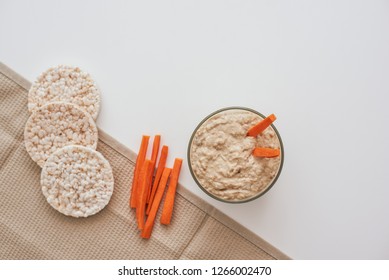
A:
[154,155]
[171,193]
[148,227]
[156,142]
[266,152]
[160,169]
[138,165]
[144,182]
[261,126]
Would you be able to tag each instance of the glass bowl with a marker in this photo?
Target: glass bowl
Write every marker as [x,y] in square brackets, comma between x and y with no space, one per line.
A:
[212,185]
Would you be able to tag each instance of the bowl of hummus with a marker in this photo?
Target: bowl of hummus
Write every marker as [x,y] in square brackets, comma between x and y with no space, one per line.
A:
[220,156]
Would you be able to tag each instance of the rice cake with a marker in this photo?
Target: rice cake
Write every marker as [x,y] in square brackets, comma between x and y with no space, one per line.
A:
[77,181]
[56,125]
[66,84]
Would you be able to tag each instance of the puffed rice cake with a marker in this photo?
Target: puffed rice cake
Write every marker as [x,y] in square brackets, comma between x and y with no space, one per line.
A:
[77,181]
[66,84]
[56,125]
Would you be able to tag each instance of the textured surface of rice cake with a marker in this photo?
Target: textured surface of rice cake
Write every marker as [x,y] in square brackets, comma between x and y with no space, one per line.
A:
[66,84]
[77,181]
[56,125]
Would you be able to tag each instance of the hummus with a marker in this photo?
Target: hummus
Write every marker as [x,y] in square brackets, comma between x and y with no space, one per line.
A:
[221,160]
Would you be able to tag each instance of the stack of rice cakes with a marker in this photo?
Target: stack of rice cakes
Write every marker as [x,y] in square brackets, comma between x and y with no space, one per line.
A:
[61,137]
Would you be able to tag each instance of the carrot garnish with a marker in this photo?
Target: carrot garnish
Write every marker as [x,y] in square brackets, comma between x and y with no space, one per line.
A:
[144,182]
[148,227]
[261,126]
[266,152]
[158,174]
[154,155]
[138,165]
[168,205]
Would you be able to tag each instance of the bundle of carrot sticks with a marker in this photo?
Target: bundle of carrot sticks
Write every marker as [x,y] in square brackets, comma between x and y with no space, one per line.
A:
[258,129]
[149,183]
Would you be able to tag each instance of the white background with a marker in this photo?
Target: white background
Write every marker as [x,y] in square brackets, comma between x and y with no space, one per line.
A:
[321,66]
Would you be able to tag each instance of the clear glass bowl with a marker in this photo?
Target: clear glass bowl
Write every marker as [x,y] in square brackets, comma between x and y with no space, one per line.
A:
[264,190]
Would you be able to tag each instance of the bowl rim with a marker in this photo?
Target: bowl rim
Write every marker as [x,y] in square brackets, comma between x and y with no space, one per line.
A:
[250,198]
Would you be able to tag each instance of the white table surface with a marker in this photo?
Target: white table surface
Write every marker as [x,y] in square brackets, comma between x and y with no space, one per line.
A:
[321,66]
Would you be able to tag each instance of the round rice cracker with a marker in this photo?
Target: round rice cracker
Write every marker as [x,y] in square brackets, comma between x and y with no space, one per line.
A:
[56,125]
[77,181]
[66,84]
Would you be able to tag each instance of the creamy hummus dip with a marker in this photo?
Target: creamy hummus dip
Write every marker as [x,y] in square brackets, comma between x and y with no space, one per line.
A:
[221,160]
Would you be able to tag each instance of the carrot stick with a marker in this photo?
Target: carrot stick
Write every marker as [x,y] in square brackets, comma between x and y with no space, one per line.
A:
[156,142]
[261,126]
[148,227]
[154,155]
[266,152]
[160,169]
[144,182]
[171,193]
[138,165]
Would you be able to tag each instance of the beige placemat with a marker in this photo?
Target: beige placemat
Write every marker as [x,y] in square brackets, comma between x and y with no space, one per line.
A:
[31,229]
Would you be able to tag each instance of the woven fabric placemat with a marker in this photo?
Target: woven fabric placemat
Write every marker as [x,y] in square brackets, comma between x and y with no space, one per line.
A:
[31,229]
